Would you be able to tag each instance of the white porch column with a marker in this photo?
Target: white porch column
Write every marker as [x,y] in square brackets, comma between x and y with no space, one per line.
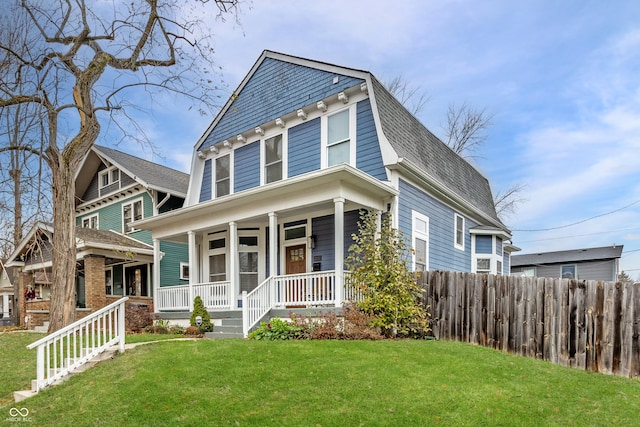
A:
[156,273]
[339,249]
[193,275]
[273,251]
[5,306]
[273,243]
[234,271]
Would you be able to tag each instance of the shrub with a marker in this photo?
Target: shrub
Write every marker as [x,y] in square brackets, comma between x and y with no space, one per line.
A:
[380,275]
[137,317]
[192,331]
[353,324]
[200,310]
[276,329]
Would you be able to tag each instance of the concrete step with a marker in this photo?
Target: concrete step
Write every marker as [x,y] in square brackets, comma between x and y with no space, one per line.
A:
[222,335]
[232,322]
[19,396]
[228,329]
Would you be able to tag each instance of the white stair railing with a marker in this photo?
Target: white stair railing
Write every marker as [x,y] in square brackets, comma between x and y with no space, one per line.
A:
[67,349]
[255,305]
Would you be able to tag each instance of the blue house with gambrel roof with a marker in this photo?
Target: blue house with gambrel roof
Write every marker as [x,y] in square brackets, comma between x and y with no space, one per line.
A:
[278,180]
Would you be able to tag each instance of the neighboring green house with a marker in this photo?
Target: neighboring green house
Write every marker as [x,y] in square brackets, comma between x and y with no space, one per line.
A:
[113,189]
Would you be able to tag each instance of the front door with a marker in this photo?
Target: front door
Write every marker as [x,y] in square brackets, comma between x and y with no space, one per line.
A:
[296,287]
[296,260]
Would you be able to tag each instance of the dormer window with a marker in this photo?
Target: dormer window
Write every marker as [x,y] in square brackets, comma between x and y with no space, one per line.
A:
[109,177]
[273,159]
[338,141]
[223,175]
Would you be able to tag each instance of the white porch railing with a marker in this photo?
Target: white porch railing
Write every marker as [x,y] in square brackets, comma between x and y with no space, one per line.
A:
[289,291]
[74,345]
[215,296]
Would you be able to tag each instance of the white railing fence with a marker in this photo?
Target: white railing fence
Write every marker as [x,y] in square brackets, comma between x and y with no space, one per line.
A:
[63,351]
[305,289]
[215,296]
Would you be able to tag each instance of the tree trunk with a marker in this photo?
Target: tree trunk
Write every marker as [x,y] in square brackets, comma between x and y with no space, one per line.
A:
[63,287]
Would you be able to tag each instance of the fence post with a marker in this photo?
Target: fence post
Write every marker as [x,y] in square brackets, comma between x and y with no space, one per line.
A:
[245,314]
[121,329]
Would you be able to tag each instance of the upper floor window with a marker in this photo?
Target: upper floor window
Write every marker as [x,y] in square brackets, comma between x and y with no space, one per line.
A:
[529,272]
[420,242]
[273,159]
[90,222]
[223,175]
[131,211]
[109,176]
[459,231]
[340,147]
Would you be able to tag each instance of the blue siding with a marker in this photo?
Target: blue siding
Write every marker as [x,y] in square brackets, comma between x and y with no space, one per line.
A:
[323,229]
[247,167]
[304,148]
[205,190]
[442,253]
[276,88]
[175,253]
[484,244]
[368,155]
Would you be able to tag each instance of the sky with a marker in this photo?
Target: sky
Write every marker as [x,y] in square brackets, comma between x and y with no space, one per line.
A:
[561,81]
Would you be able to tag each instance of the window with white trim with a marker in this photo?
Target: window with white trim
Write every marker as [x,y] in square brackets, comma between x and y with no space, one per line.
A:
[90,222]
[108,177]
[483,265]
[529,272]
[499,267]
[184,271]
[218,258]
[273,159]
[420,227]
[248,262]
[223,175]
[131,211]
[568,271]
[458,231]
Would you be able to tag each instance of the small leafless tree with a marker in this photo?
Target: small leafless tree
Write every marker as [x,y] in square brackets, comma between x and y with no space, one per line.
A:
[412,97]
[506,202]
[466,128]
[77,63]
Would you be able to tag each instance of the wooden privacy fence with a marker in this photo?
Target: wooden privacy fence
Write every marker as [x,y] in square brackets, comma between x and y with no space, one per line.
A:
[587,324]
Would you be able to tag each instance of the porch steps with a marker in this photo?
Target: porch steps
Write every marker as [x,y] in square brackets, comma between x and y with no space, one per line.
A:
[231,327]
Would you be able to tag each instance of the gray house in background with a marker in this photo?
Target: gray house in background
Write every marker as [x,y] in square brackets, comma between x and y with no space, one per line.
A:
[601,263]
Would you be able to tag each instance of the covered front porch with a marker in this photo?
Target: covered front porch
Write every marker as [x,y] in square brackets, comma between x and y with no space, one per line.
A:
[277,246]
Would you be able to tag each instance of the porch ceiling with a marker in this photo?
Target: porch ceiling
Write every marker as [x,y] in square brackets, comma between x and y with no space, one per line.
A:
[312,192]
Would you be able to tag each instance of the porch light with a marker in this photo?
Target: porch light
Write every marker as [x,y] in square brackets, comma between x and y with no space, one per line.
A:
[343,97]
[201,155]
[227,143]
[302,115]
[241,138]
[364,88]
[321,106]
[312,241]
[280,122]
[259,131]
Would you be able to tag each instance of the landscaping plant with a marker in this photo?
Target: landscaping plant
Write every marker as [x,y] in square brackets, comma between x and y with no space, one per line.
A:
[200,310]
[380,276]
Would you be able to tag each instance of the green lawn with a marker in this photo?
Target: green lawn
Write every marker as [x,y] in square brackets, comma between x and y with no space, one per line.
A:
[325,383]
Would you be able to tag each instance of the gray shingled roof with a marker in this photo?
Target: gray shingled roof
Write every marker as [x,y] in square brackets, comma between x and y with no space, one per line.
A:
[573,255]
[151,174]
[413,141]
